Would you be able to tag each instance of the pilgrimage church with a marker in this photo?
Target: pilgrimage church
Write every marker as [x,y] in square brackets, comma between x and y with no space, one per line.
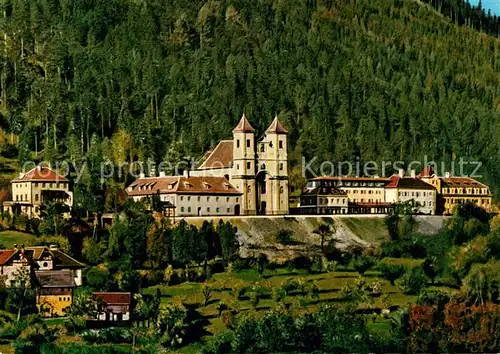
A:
[242,176]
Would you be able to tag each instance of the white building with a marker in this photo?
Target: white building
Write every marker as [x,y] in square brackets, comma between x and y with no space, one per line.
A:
[413,190]
[31,189]
[189,196]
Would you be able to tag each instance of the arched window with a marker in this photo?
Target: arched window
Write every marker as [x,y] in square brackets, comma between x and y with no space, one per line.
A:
[263,166]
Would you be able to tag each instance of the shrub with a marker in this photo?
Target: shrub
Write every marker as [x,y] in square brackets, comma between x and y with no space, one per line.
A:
[168,274]
[494,243]
[300,263]
[206,291]
[391,272]
[413,281]
[279,294]
[362,263]
[285,237]
[482,284]
[221,306]
[218,344]
[228,319]
[433,298]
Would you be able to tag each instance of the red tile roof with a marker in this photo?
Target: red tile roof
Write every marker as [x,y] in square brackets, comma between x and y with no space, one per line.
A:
[348,178]
[182,185]
[244,126]
[428,171]
[408,183]
[5,255]
[276,127]
[221,156]
[41,173]
[462,182]
[117,298]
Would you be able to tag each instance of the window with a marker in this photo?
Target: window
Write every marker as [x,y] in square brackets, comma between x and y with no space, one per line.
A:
[189,199]
[208,210]
[228,210]
[248,143]
[36,184]
[262,148]
[237,166]
[199,198]
[189,209]
[182,209]
[26,196]
[208,199]
[238,143]
[281,166]
[227,199]
[249,165]
[281,144]
[216,199]
[217,210]
[182,198]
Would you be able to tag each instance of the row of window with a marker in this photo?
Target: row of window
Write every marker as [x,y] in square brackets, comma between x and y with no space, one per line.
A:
[65,298]
[465,191]
[362,200]
[262,167]
[346,183]
[207,198]
[43,185]
[459,200]
[364,191]
[415,194]
[332,200]
[217,210]
[262,146]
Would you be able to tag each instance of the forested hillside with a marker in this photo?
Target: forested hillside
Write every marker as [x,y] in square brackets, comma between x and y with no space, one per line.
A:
[378,79]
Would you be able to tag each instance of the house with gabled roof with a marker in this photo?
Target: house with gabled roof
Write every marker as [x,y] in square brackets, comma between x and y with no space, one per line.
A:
[113,307]
[31,189]
[38,259]
[455,190]
[419,193]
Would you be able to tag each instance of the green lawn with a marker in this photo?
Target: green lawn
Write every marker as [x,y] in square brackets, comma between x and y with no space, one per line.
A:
[222,284]
[10,238]
[407,262]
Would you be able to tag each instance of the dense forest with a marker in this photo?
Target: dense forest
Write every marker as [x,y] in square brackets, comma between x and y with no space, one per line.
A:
[153,79]
[462,13]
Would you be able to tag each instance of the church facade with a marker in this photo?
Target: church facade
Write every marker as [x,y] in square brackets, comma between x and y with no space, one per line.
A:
[257,168]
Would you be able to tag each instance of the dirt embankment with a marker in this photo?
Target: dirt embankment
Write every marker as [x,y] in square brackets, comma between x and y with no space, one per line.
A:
[257,235]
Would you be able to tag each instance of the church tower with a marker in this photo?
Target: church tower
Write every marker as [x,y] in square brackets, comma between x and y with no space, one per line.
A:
[243,170]
[273,161]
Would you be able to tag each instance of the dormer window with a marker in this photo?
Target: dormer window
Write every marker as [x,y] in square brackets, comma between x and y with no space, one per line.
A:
[188,185]
[206,185]
[227,186]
